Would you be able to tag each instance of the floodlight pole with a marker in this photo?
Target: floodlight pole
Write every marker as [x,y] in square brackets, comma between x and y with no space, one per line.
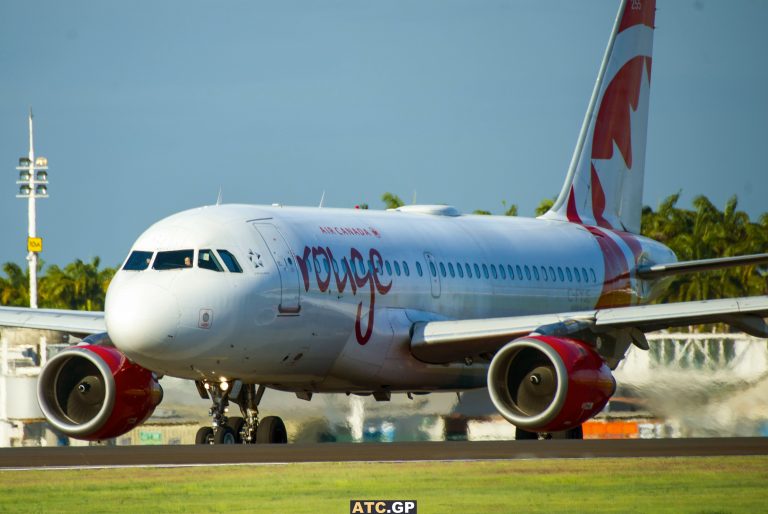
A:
[32,211]
[33,180]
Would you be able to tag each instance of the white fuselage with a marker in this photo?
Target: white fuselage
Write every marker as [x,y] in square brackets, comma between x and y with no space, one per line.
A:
[326,297]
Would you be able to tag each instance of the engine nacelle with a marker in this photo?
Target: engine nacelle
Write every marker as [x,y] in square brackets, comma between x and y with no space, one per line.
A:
[548,384]
[94,392]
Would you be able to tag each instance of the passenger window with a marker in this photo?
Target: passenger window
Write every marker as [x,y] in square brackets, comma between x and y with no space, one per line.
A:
[560,274]
[406,270]
[442,269]
[576,274]
[207,260]
[389,268]
[326,265]
[469,270]
[568,274]
[519,272]
[138,261]
[177,259]
[527,273]
[397,268]
[477,270]
[335,266]
[418,269]
[592,272]
[552,273]
[432,269]
[450,270]
[485,271]
[511,272]
[460,270]
[584,275]
[502,272]
[536,273]
[493,271]
[544,273]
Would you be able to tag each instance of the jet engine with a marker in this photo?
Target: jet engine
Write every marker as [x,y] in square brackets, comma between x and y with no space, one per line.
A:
[548,384]
[94,392]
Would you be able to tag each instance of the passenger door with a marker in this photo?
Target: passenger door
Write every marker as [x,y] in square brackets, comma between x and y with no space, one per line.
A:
[286,267]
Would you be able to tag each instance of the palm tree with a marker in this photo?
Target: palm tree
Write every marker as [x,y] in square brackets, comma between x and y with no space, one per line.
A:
[14,289]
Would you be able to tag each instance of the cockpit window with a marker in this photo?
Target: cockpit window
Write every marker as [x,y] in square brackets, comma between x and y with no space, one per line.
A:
[207,260]
[138,261]
[173,260]
[229,261]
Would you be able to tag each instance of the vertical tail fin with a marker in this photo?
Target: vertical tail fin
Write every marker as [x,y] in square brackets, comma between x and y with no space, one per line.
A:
[604,186]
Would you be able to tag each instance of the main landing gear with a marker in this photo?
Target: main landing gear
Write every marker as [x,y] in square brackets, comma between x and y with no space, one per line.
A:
[247,429]
[573,433]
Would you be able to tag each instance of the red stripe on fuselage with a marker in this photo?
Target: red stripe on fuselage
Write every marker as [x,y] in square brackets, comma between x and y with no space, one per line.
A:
[617,287]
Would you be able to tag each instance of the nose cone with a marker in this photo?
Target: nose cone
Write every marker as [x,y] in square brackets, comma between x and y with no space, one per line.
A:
[142,319]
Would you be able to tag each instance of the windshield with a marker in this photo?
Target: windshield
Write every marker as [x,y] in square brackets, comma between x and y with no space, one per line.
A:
[207,260]
[173,260]
[230,262]
[138,261]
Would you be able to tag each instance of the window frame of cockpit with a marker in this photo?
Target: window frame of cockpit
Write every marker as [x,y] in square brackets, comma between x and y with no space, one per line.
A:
[216,253]
[182,267]
[214,258]
[149,262]
[234,260]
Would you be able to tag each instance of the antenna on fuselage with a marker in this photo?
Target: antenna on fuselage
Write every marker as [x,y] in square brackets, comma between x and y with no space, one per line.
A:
[322,200]
[218,198]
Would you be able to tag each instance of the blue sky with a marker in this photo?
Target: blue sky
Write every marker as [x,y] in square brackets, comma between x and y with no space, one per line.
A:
[147,108]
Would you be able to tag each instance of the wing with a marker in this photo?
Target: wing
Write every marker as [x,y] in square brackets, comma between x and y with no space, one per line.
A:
[79,323]
[442,342]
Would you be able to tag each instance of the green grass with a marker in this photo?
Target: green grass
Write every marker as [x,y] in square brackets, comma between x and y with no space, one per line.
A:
[706,485]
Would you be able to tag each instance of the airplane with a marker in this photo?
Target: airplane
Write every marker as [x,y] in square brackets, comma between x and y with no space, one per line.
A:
[417,299]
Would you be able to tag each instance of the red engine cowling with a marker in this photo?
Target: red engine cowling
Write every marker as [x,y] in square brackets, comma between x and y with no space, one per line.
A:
[94,392]
[548,384]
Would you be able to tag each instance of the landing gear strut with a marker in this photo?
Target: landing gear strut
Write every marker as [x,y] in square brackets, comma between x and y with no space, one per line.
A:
[238,430]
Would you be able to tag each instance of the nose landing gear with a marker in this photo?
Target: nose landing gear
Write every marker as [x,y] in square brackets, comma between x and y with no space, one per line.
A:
[238,430]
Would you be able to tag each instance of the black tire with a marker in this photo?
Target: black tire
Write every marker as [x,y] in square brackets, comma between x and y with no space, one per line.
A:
[575,433]
[204,435]
[572,433]
[524,435]
[271,430]
[224,435]
[237,424]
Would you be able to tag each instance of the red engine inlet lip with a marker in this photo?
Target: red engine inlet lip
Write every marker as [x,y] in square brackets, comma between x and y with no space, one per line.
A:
[497,378]
[49,404]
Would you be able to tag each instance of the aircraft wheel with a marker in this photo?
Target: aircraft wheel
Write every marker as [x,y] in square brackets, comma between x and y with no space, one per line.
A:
[224,435]
[523,435]
[271,430]
[573,433]
[237,424]
[204,435]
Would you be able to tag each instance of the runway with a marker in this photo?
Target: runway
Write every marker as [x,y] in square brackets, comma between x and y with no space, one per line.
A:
[119,456]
